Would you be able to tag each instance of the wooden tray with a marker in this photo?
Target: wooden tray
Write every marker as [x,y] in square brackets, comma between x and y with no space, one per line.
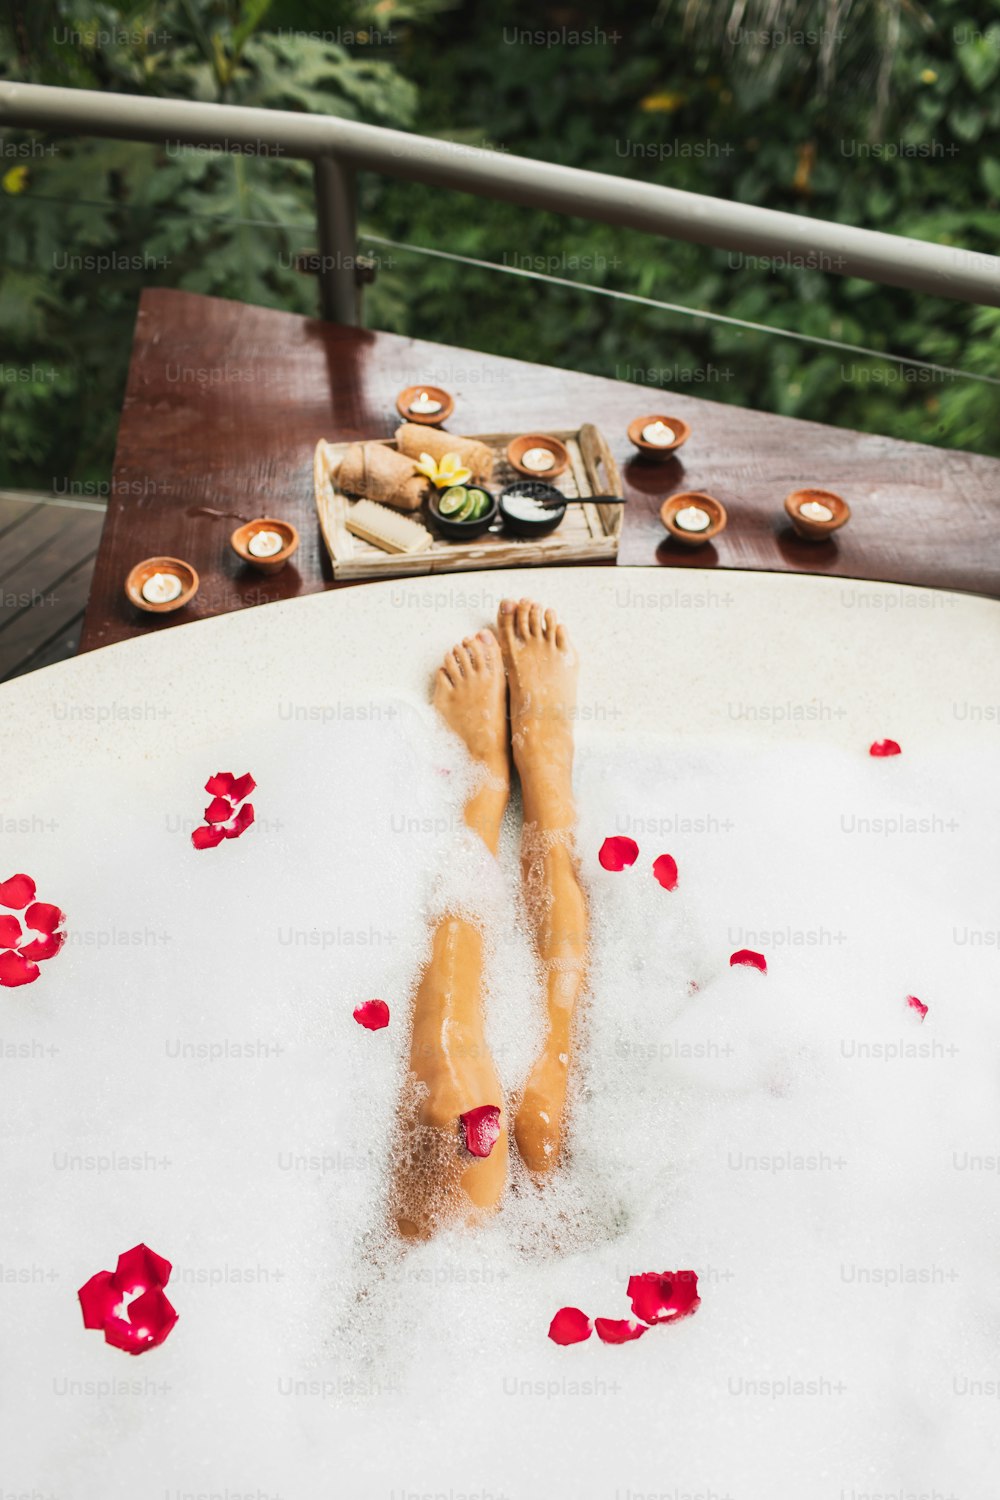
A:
[589,532]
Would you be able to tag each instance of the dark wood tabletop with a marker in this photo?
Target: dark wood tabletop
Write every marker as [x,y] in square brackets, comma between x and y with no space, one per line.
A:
[225,403]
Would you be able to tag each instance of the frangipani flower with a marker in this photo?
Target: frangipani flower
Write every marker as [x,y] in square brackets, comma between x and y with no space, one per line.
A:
[449,471]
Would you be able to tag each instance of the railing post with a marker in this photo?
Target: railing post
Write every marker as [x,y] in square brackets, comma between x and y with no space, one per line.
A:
[337,225]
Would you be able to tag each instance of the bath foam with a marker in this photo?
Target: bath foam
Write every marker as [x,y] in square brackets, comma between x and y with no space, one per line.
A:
[777,1133]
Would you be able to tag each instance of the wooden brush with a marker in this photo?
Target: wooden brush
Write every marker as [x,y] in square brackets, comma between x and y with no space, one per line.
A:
[386,528]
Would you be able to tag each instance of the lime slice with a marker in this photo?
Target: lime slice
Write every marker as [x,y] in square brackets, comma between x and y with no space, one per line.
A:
[483,503]
[470,509]
[453,500]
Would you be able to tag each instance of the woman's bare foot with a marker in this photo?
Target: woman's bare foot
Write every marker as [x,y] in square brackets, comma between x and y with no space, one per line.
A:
[470,694]
[541,674]
[451,1070]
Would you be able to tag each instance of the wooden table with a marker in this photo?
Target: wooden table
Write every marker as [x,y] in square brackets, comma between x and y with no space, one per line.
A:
[225,403]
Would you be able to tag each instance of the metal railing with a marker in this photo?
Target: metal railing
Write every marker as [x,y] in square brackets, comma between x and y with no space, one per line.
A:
[340,148]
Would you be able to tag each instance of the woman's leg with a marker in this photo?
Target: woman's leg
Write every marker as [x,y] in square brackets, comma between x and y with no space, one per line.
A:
[451,1070]
[541,674]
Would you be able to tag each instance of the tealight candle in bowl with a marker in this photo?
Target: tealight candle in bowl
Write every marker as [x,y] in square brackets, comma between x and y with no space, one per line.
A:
[816,514]
[538,455]
[693,518]
[427,404]
[658,437]
[159,585]
[266,544]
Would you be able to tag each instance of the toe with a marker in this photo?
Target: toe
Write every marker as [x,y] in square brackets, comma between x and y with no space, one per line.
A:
[455,665]
[490,648]
[507,620]
[535,621]
[562,639]
[442,680]
[550,624]
[524,620]
[474,651]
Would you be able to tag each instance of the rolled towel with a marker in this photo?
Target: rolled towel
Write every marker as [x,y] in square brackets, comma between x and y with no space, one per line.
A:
[414,440]
[380,473]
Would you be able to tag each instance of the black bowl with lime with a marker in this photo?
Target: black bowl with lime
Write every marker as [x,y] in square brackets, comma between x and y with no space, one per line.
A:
[531,507]
[463,512]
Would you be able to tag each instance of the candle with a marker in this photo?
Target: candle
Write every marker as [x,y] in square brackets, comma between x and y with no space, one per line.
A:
[161,588]
[424,405]
[692,518]
[659,434]
[814,511]
[265,544]
[538,459]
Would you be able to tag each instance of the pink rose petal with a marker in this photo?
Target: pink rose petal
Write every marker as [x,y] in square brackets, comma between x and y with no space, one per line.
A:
[15,970]
[482,1128]
[917,1005]
[665,870]
[372,1015]
[615,853]
[663,1296]
[207,838]
[570,1326]
[882,748]
[748,957]
[618,1330]
[17,892]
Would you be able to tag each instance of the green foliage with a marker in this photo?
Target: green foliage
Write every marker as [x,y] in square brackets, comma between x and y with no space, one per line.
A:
[888,117]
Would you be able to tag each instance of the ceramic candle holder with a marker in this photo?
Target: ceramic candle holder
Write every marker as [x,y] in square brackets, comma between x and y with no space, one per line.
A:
[426,419]
[708,503]
[144,570]
[807,528]
[240,543]
[656,450]
[519,446]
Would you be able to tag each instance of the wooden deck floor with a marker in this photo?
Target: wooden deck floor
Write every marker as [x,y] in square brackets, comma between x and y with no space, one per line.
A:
[47,551]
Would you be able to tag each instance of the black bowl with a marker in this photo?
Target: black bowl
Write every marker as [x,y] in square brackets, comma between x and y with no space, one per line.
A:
[463,531]
[534,489]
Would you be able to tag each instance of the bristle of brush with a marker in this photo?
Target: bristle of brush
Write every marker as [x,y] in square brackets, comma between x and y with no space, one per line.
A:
[386,528]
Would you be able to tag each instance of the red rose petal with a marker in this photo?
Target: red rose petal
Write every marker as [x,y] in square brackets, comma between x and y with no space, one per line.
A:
[884,747]
[618,1330]
[917,1005]
[663,1296]
[15,970]
[221,784]
[140,1268]
[42,916]
[372,1015]
[43,947]
[665,870]
[146,1323]
[98,1299]
[570,1326]
[10,932]
[482,1128]
[207,838]
[242,787]
[750,958]
[241,822]
[17,892]
[615,853]
[219,810]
